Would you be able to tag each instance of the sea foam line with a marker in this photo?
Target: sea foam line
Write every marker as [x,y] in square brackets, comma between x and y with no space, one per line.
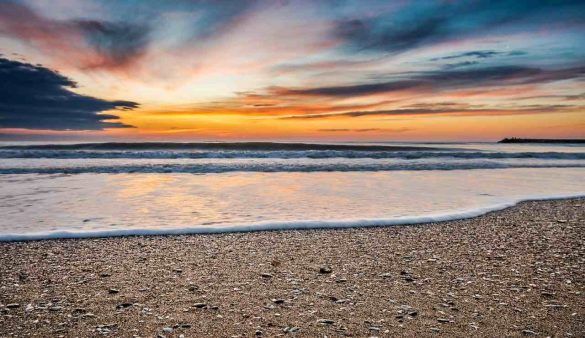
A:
[274,226]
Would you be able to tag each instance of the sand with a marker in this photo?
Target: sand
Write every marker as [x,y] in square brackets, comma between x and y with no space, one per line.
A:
[515,272]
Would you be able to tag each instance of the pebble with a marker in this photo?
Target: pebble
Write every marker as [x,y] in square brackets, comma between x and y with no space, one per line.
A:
[12,305]
[112,291]
[200,305]
[123,305]
[528,333]
[278,301]
[167,329]
[266,275]
[325,269]
[291,329]
[325,321]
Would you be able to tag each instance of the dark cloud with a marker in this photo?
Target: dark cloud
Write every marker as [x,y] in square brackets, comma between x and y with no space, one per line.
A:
[479,54]
[443,110]
[117,43]
[447,80]
[460,64]
[88,43]
[36,97]
[427,23]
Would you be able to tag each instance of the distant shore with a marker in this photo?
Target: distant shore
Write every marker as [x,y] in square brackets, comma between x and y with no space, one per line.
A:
[514,272]
[533,140]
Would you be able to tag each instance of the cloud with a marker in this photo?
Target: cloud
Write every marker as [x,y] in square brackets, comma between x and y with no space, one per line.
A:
[443,110]
[85,43]
[479,54]
[366,130]
[118,43]
[460,64]
[442,80]
[35,97]
[421,24]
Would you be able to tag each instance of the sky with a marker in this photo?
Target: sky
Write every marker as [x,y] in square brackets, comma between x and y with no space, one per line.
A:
[348,70]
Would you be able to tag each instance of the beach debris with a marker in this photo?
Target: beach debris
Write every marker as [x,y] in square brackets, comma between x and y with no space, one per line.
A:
[325,269]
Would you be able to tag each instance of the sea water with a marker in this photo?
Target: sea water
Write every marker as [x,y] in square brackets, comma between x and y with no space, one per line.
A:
[92,190]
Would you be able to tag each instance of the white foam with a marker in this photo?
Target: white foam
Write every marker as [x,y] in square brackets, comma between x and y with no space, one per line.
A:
[289,225]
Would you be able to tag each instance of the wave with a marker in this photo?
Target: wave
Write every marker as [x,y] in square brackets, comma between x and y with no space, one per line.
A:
[283,154]
[208,168]
[274,226]
[266,146]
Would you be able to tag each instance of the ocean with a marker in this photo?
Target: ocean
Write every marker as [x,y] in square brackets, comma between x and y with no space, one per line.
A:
[113,189]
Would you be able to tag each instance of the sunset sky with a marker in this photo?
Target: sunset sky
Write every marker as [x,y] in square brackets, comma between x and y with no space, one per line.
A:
[359,70]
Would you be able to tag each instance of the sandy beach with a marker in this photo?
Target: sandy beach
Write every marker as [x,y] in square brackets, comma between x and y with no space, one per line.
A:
[509,273]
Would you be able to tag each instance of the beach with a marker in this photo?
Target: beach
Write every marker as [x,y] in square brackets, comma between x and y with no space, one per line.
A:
[516,272]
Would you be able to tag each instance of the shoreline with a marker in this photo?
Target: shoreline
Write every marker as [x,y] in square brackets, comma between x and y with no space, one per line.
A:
[513,272]
[281,226]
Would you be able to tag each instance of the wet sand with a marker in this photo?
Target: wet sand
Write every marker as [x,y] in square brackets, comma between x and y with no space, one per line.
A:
[520,271]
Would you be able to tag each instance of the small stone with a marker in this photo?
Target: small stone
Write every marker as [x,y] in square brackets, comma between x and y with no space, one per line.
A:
[105,274]
[178,270]
[29,308]
[266,275]
[547,294]
[278,301]
[561,221]
[258,333]
[167,329]
[291,329]
[123,306]
[113,291]
[325,321]
[12,305]
[443,320]
[385,275]
[528,333]
[55,308]
[325,269]
[200,305]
